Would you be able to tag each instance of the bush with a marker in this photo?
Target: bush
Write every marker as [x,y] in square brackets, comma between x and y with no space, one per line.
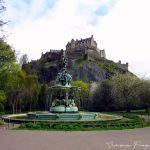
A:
[79,62]
[111,69]
[1,107]
[1,122]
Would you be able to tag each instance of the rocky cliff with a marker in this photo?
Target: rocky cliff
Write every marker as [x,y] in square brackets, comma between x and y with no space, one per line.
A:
[94,70]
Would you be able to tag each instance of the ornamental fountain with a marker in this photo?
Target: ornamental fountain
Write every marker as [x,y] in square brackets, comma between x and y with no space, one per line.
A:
[63,93]
[64,100]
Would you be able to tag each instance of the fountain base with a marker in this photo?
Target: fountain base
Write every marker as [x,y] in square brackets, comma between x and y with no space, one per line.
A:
[63,109]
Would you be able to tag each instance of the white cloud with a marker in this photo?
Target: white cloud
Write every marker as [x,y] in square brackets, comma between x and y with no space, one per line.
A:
[65,20]
[124,31]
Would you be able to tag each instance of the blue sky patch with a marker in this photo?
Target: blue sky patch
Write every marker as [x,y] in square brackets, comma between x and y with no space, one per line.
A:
[47,6]
[102,10]
[28,1]
[93,21]
[23,10]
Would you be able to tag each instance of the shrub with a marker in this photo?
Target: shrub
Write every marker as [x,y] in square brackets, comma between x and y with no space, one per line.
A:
[1,107]
[1,122]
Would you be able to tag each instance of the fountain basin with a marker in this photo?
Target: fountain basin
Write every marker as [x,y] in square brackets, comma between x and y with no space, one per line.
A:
[62,116]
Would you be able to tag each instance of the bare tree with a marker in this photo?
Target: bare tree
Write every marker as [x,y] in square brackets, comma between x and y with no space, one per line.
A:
[2,22]
[23,59]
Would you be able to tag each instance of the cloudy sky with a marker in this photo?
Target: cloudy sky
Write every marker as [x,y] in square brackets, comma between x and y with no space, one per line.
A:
[121,27]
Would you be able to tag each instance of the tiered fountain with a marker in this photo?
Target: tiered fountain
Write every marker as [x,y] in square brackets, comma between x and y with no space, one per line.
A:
[63,93]
[64,100]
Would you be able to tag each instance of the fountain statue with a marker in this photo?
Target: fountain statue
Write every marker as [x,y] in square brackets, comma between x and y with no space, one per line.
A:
[63,93]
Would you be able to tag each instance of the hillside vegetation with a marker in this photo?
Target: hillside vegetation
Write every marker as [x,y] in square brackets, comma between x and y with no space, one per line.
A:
[95,70]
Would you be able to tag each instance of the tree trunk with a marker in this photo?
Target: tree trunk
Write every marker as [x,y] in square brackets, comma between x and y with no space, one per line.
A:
[30,106]
[147,110]
[16,108]
[20,107]
[128,110]
[13,108]
[30,102]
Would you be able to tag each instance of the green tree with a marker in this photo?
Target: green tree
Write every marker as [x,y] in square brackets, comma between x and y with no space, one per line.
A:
[2,100]
[2,96]
[43,97]
[83,93]
[14,86]
[32,90]
[125,90]
[10,74]
[7,55]
[102,99]
[27,69]
[144,94]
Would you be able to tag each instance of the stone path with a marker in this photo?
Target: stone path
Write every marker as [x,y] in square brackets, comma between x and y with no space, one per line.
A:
[135,139]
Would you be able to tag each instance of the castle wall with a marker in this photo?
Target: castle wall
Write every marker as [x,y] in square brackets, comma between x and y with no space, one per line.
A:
[123,66]
[92,54]
[74,55]
[96,54]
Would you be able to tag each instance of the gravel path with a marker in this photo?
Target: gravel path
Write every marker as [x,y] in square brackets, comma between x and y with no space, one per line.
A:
[135,139]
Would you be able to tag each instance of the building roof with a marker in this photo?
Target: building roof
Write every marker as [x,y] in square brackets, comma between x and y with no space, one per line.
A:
[80,41]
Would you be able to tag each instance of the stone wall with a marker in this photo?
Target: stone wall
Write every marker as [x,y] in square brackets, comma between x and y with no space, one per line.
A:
[123,66]
[93,54]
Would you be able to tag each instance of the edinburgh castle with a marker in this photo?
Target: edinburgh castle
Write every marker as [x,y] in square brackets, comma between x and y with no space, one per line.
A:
[85,62]
[84,48]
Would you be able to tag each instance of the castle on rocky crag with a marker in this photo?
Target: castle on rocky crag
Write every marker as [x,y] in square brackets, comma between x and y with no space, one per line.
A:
[84,48]
[81,49]
[85,62]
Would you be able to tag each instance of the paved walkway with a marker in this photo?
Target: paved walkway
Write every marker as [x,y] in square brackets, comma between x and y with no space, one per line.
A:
[135,139]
